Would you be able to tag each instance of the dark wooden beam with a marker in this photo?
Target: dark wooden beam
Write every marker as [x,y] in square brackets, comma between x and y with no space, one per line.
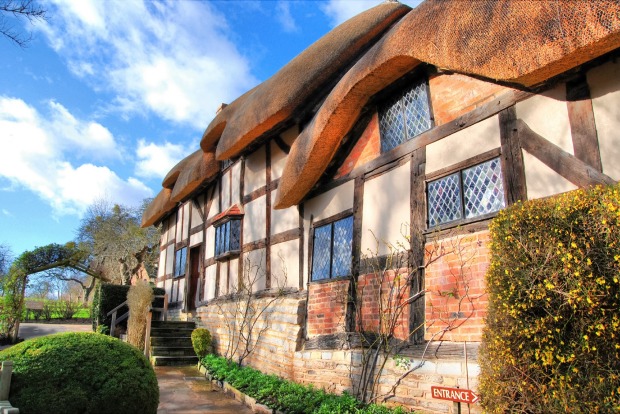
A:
[560,161]
[582,124]
[513,168]
[285,236]
[417,225]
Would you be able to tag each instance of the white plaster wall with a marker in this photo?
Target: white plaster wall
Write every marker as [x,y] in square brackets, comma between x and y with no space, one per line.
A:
[195,238]
[186,217]
[283,220]
[278,157]
[386,209]
[285,264]
[170,259]
[168,289]
[197,208]
[547,115]
[254,269]
[210,242]
[163,239]
[604,82]
[161,269]
[179,225]
[226,190]
[233,275]
[542,181]
[209,287]
[330,203]
[172,226]
[215,204]
[181,290]
[255,171]
[223,280]
[254,221]
[235,197]
[462,145]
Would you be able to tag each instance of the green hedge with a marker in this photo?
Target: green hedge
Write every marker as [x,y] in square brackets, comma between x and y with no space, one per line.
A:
[107,297]
[81,373]
[552,337]
[287,396]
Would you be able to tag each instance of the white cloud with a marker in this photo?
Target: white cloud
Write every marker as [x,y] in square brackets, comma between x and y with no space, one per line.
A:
[285,18]
[172,58]
[340,11]
[7,212]
[157,160]
[35,152]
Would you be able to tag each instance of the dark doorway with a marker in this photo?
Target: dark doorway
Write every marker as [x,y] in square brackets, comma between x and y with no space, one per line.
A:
[194,277]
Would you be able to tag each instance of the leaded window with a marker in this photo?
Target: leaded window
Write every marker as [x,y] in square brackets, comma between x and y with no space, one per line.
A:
[468,193]
[332,249]
[228,237]
[405,116]
[180,261]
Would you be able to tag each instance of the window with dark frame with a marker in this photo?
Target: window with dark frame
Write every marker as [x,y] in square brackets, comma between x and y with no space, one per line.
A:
[465,194]
[227,237]
[332,249]
[405,116]
[180,262]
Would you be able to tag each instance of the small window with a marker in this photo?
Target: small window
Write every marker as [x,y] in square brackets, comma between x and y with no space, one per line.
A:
[332,249]
[468,193]
[405,117]
[180,260]
[227,237]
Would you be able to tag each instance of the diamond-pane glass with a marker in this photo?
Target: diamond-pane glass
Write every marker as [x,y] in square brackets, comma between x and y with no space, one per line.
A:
[218,241]
[343,237]
[235,234]
[321,252]
[444,200]
[392,125]
[404,117]
[417,112]
[483,188]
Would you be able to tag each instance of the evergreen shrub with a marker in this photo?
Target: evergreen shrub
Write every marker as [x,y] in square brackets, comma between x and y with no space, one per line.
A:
[81,373]
[202,342]
[552,337]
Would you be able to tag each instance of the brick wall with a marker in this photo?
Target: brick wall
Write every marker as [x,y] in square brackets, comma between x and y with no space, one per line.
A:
[456,300]
[367,148]
[326,307]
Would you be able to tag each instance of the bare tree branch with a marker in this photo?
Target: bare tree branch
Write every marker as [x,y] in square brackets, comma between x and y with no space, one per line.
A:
[12,12]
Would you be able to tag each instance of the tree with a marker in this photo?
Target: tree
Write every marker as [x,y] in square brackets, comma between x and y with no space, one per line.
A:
[118,246]
[13,11]
[5,259]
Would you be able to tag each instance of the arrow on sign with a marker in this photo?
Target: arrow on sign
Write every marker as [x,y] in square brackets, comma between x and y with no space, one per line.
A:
[454,394]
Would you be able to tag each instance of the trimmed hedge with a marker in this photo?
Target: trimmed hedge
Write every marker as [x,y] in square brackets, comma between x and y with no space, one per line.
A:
[81,373]
[202,342]
[552,337]
[287,396]
[107,297]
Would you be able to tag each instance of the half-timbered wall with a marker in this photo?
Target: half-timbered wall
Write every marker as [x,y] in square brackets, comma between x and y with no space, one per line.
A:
[545,143]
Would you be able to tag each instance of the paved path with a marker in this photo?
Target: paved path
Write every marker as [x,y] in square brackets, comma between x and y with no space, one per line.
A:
[184,390]
[32,330]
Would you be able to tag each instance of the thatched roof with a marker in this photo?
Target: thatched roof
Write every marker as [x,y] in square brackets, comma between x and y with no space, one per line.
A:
[518,41]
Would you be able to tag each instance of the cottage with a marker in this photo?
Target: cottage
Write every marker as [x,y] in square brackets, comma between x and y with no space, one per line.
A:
[351,192]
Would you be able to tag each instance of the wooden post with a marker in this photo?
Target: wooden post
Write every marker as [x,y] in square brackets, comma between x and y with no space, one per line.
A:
[5,380]
[113,324]
[147,336]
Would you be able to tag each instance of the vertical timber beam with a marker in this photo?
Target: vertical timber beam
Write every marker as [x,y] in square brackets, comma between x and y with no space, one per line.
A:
[268,217]
[356,247]
[513,167]
[417,226]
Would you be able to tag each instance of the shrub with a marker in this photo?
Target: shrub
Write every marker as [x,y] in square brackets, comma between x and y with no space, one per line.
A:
[66,309]
[139,299]
[551,338]
[285,395]
[202,342]
[81,373]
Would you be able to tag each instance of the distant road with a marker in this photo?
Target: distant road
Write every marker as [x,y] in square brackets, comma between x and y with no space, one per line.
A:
[32,330]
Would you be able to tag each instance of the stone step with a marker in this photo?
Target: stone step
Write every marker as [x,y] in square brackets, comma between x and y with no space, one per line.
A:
[171,341]
[174,360]
[171,332]
[172,351]
[173,324]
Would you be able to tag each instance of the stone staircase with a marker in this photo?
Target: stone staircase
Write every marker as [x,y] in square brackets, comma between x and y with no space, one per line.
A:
[171,343]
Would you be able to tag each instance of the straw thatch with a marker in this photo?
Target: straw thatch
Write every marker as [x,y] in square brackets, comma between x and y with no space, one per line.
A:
[159,208]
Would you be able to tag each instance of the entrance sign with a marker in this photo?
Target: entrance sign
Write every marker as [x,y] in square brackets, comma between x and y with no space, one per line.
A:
[454,394]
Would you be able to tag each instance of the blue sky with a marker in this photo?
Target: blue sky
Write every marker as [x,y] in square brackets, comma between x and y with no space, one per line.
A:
[109,95]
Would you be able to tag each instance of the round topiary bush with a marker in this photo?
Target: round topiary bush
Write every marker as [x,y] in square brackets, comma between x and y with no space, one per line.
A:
[202,342]
[81,373]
